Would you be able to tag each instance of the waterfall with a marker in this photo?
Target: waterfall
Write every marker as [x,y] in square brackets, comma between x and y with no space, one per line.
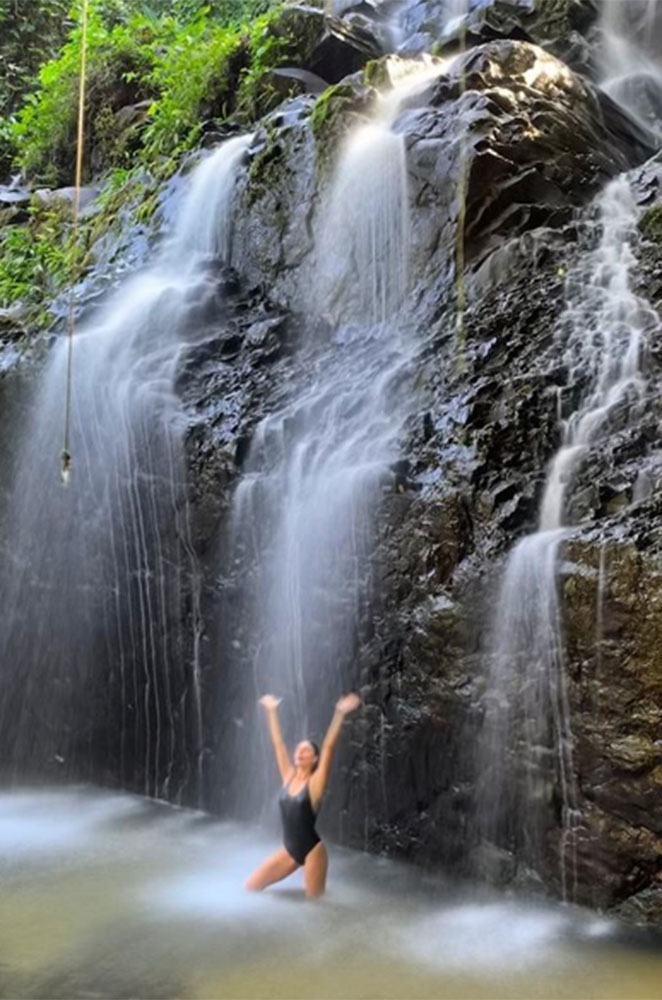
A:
[372,242]
[604,333]
[304,514]
[527,748]
[100,632]
[631,56]
[362,267]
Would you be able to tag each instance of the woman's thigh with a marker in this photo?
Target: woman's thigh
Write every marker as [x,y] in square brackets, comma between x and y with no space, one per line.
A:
[275,868]
[314,871]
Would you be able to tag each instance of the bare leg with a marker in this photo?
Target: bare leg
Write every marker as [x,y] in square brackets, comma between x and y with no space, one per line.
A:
[275,868]
[314,871]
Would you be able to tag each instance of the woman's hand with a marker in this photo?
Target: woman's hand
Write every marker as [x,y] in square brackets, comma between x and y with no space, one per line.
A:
[270,702]
[348,703]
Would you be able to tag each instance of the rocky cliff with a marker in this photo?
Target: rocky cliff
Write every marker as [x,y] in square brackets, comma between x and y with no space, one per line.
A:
[540,142]
[506,148]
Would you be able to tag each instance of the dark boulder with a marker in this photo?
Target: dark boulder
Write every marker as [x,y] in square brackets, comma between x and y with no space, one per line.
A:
[566,28]
[307,83]
[328,47]
[532,138]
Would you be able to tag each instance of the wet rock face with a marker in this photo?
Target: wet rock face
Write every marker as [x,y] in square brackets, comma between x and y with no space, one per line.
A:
[276,205]
[482,428]
[565,28]
[540,141]
[613,600]
[226,382]
[532,141]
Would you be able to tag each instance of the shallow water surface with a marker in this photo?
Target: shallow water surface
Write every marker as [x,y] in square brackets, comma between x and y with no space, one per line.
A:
[111,896]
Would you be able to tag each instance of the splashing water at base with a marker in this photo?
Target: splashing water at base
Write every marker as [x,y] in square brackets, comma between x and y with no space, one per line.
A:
[527,747]
[137,899]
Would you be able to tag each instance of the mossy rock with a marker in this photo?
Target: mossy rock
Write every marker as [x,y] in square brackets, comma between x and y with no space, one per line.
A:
[300,28]
[265,166]
[305,38]
[336,111]
[650,223]
[376,73]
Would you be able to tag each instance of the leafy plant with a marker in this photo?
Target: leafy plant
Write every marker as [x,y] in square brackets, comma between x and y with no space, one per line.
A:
[120,61]
[197,67]
[38,258]
[30,33]
[183,56]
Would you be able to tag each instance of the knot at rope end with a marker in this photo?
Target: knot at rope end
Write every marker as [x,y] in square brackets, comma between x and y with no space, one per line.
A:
[67,465]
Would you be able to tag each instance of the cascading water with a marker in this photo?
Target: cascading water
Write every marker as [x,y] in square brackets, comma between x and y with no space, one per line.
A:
[631,56]
[526,756]
[366,224]
[304,513]
[99,587]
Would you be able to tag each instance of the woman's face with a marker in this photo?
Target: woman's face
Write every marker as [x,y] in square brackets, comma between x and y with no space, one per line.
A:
[304,755]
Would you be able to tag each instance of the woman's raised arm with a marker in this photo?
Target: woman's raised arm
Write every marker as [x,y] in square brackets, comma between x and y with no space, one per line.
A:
[320,777]
[270,705]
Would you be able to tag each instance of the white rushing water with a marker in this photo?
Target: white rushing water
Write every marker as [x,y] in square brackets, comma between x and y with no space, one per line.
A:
[99,585]
[303,522]
[631,56]
[527,748]
[366,228]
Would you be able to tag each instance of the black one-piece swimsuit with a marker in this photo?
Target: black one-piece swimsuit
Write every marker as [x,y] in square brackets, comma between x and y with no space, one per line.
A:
[298,816]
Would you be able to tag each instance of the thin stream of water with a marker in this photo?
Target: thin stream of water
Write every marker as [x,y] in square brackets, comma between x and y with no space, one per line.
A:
[631,57]
[528,744]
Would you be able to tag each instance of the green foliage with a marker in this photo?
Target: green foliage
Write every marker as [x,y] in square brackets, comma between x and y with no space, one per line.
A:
[126,190]
[214,68]
[186,61]
[267,48]
[120,62]
[650,223]
[38,258]
[31,31]
[197,68]
[274,41]
[44,255]
[189,60]
[227,12]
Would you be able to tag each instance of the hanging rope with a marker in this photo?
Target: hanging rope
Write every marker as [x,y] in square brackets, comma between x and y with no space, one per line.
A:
[67,461]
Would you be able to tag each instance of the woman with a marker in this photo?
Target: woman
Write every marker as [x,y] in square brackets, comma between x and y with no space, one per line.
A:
[304,783]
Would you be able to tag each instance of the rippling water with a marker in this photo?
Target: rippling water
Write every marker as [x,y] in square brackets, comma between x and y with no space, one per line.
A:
[107,895]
